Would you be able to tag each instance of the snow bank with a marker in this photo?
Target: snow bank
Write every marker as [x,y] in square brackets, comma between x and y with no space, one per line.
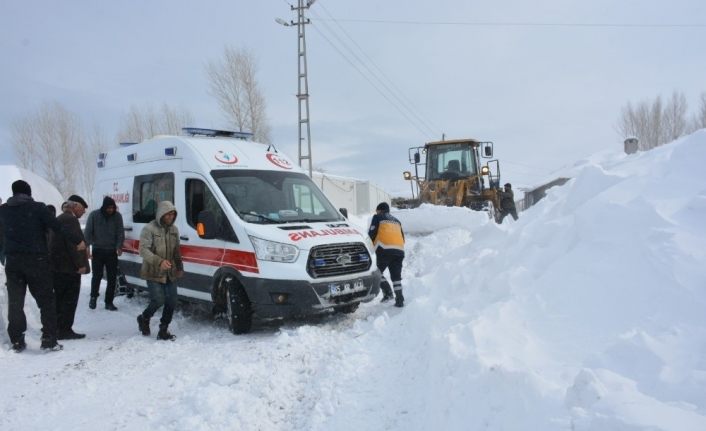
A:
[585,314]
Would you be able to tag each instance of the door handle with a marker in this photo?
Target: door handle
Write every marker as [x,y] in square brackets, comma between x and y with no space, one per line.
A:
[127,228]
[184,238]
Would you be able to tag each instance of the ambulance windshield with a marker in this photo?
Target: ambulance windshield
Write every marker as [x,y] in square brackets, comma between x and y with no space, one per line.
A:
[274,197]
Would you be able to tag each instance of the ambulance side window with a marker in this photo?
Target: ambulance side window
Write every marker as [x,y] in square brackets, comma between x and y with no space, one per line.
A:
[305,200]
[147,192]
[198,198]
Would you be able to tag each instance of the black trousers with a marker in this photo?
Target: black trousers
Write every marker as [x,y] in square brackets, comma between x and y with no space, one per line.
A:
[392,260]
[66,289]
[505,213]
[29,271]
[108,259]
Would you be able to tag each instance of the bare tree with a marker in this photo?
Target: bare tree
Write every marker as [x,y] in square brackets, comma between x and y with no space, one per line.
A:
[51,143]
[95,144]
[674,118]
[654,123]
[234,85]
[140,124]
[699,121]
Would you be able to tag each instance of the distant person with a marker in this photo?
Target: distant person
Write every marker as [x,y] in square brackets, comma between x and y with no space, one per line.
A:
[161,266]
[68,264]
[52,209]
[25,223]
[388,239]
[507,203]
[105,234]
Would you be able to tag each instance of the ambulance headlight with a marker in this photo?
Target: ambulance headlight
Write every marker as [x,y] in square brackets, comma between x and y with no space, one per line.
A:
[274,251]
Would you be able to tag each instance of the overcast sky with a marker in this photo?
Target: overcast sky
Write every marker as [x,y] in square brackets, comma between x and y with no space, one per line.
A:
[546,94]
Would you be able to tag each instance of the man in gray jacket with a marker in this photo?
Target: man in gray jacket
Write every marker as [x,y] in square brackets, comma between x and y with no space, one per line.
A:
[105,234]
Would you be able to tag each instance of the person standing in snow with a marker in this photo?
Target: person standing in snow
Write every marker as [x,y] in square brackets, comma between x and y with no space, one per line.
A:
[388,239]
[105,234]
[161,266]
[25,223]
[2,242]
[507,203]
[68,264]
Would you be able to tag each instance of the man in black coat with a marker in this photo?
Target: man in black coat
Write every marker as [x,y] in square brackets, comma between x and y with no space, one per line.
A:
[25,224]
[507,203]
[105,234]
[67,264]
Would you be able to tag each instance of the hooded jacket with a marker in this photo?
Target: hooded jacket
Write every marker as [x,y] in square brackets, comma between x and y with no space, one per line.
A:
[160,242]
[25,224]
[105,231]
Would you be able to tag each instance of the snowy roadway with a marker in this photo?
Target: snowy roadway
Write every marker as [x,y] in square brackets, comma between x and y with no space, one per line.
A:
[586,314]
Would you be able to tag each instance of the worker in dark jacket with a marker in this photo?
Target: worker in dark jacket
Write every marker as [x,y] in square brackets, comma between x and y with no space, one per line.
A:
[25,224]
[388,239]
[105,234]
[507,203]
[68,264]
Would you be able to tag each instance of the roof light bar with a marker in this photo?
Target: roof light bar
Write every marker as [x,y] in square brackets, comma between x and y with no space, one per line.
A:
[196,131]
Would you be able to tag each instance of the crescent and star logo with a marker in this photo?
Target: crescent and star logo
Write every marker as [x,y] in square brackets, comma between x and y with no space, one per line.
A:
[279,161]
[227,158]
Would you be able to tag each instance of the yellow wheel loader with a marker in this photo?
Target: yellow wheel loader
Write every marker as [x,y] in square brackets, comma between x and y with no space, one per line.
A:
[453,175]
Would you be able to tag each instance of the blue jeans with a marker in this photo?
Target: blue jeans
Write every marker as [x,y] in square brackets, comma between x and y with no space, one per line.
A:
[161,294]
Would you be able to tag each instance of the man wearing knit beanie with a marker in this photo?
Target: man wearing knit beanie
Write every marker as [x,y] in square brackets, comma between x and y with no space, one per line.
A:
[25,223]
[105,234]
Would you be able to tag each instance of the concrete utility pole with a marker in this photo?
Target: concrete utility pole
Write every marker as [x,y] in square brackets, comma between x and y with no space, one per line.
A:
[303,86]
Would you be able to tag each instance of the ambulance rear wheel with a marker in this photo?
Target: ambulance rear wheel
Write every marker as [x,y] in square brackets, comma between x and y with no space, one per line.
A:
[238,308]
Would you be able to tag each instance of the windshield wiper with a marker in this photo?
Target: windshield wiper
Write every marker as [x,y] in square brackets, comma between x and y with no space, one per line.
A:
[260,216]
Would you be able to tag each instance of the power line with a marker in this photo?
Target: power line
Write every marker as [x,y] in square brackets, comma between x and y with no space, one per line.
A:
[524,24]
[375,86]
[394,91]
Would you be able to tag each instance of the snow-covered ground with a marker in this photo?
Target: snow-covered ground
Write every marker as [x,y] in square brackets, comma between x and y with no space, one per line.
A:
[589,313]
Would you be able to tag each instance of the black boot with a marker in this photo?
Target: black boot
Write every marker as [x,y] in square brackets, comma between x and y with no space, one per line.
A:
[50,345]
[386,291]
[144,324]
[69,334]
[111,307]
[92,303]
[19,345]
[164,333]
[399,299]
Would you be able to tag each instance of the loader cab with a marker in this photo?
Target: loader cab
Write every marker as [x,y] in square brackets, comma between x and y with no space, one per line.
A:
[450,161]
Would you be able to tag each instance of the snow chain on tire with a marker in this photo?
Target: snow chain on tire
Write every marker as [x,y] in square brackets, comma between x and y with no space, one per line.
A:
[238,307]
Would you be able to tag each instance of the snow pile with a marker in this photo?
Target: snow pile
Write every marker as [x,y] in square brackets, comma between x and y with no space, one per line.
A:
[588,313]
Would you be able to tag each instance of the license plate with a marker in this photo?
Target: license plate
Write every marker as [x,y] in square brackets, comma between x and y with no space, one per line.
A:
[347,287]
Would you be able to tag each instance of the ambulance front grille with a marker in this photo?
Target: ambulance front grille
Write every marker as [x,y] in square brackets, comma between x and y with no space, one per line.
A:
[338,259]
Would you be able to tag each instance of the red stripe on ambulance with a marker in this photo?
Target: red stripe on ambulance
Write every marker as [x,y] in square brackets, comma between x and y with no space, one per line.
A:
[240,260]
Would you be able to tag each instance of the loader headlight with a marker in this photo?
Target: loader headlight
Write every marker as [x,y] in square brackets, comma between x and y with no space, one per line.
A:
[274,251]
[484,170]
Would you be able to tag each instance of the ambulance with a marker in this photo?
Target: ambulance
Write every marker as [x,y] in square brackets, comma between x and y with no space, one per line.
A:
[258,238]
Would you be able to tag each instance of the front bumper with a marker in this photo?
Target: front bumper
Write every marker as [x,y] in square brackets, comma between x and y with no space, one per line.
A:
[307,298]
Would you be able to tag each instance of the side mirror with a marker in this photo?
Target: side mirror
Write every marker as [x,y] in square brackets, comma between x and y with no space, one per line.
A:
[488,151]
[417,158]
[343,211]
[407,175]
[206,225]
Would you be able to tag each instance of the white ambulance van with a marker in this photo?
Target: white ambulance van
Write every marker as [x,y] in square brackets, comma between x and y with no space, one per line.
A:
[258,238]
